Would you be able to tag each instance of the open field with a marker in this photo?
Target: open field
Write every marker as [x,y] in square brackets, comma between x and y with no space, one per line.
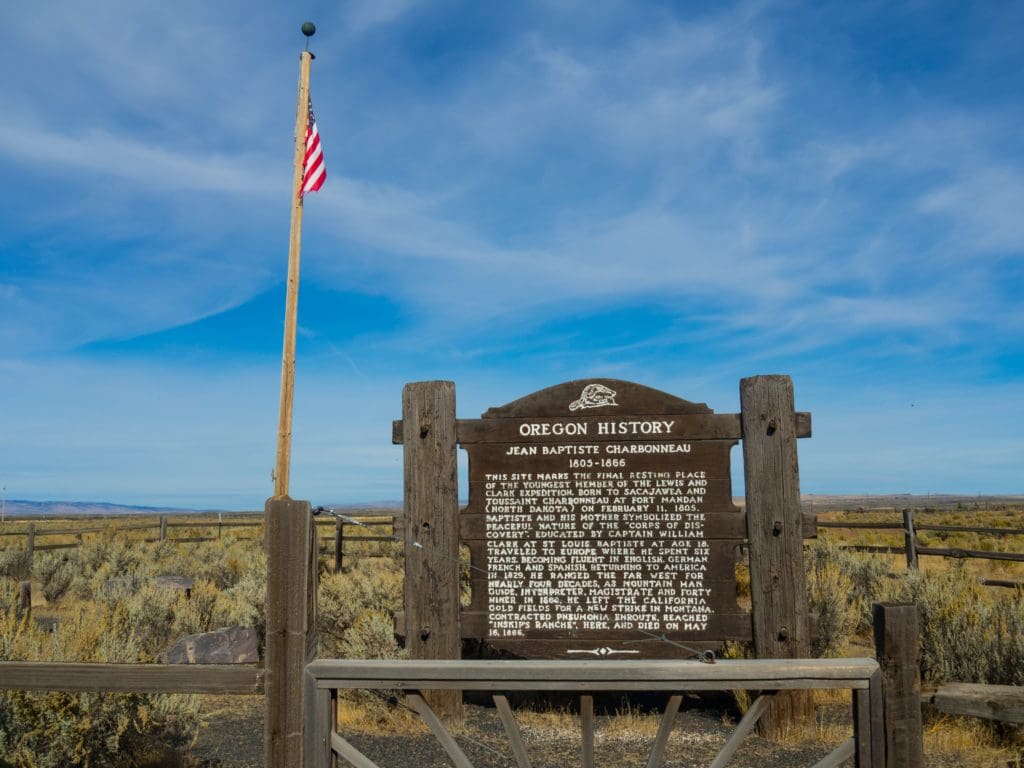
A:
[99,597]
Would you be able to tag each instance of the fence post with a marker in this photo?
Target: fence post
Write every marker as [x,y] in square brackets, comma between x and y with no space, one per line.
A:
[910,539]
[775,532]
[24,600]
[30,545]
[432,621]
[291,545]
[163,527]
[339,543]
[896,649]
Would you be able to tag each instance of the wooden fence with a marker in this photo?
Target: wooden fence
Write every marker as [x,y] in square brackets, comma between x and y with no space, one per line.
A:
[913,549]
[324,677]
[378,527]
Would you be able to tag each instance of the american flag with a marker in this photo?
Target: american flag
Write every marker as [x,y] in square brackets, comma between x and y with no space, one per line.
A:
[313,171]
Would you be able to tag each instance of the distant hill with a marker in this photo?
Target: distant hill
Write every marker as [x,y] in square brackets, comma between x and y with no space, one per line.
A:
[822,503]
[22,508]
[809,502]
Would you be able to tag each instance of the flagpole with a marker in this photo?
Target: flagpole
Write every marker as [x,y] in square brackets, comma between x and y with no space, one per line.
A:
[284,424]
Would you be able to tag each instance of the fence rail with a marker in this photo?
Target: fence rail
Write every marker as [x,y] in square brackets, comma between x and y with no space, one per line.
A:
[139,678]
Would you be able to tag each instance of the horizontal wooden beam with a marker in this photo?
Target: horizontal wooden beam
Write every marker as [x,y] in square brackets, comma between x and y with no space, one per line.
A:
[140,678]
[1003,583]
[699,426]
[991,702]
[1017,557]
[968,529]
[604,674]
[875,548]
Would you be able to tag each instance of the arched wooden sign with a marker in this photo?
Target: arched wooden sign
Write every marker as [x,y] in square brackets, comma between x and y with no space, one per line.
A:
[600,523]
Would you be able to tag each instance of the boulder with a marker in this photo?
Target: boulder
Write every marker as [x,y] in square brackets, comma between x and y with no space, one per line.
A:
[229,645]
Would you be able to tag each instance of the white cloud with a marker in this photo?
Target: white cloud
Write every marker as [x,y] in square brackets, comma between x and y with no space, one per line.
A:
[362,15]
[985,205]
[126,159]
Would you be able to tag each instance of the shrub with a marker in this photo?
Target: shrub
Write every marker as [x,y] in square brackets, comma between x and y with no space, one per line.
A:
[246,600]
[56,728]
[8,595]
[371,637]
[867,576]
[1006,647]
[967,634]
[207,609]
[829,592]
[373,586]
[950,608]
[15,564]
[55,573]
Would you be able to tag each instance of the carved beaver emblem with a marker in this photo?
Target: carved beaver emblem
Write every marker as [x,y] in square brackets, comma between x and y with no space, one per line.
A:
[594,396]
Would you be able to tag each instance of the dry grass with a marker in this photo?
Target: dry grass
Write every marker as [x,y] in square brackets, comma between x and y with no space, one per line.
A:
[970,741]
[363,713]
[950,740]
[961,741]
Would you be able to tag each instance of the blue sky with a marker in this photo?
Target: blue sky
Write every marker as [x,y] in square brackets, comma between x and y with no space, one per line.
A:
[518,194]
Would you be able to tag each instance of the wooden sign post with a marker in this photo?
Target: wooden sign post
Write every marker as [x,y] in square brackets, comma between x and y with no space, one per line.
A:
[431,619]
[600,523]
[778,590]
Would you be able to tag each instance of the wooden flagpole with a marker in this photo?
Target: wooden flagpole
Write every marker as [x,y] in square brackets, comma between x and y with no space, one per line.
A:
[284,424]
[289,532]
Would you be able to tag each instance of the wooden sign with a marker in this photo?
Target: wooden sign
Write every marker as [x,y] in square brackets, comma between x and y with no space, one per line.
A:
[600,523]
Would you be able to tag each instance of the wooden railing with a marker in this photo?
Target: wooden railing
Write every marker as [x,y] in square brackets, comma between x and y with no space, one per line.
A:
[324,677]
[138,678]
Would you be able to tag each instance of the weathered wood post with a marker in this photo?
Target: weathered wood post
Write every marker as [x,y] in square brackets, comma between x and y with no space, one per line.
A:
[896,649]
[291,547]
[23,602]
[774,529]
[432,622]
[163,527]
[339,544]
[910,538]
[30,544]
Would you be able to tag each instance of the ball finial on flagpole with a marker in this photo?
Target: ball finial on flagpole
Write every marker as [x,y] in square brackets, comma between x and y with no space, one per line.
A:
[309,29]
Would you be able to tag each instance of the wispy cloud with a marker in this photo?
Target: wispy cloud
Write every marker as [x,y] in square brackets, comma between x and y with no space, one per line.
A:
[119,157]
[362,15]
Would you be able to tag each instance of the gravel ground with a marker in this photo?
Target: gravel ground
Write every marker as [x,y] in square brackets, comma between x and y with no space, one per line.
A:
[234,739]
[233,736]
[695,741]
